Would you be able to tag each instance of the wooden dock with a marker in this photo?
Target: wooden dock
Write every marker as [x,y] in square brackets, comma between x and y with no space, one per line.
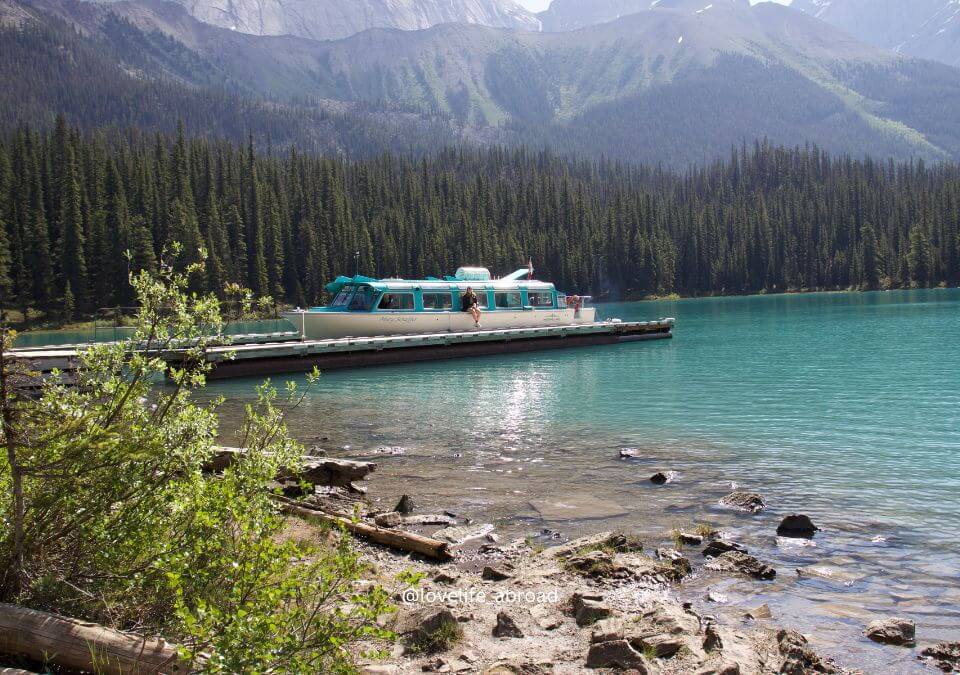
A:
[260,356]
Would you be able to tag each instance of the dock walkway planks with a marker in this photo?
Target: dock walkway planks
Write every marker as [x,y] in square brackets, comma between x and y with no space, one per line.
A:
[261,355]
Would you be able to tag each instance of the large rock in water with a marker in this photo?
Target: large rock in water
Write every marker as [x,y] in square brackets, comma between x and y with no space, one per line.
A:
[797,526]
[895,631]
[744,501]
[945,656]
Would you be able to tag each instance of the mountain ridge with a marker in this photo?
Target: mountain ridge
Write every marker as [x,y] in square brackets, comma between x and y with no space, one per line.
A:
[648,86]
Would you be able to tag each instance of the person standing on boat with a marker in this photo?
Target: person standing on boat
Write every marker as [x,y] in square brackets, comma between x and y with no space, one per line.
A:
[470,303]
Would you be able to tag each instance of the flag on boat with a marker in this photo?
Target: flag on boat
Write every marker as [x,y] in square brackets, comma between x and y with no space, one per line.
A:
[530,269]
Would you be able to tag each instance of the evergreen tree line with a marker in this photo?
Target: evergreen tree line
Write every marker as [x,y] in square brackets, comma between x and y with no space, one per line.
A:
[79,211]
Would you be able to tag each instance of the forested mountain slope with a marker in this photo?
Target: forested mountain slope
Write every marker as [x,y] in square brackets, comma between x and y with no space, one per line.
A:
[118,75]
[767,219]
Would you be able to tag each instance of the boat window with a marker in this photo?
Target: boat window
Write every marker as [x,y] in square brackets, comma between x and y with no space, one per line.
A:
[437,301]
[362,300]
[343,297]
[398,302]
[508,299]
[482,301]
[540,299]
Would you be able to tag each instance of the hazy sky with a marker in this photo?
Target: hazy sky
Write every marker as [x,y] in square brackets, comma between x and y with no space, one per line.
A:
[539,5]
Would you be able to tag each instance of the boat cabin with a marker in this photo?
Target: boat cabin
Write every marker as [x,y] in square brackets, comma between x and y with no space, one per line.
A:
[363,294]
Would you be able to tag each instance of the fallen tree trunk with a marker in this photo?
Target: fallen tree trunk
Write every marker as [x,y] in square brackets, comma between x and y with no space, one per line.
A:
[313,470]
[404,541]
[79,645]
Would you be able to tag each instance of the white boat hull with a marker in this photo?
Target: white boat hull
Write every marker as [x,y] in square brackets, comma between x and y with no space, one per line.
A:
[334,325]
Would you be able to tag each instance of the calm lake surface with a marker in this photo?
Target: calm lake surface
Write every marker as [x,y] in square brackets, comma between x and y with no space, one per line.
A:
[845,407]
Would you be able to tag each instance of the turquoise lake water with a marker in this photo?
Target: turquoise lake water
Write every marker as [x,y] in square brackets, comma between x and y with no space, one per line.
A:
[845,407]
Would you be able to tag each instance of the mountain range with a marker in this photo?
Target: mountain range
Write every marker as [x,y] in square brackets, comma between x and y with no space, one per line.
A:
[928,29]
[331,19]
[679,82]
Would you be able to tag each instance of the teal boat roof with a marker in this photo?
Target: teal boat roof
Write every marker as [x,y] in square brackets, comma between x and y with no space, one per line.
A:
[432,283]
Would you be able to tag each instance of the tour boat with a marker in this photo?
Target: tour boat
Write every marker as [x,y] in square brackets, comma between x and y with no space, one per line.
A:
[365,307]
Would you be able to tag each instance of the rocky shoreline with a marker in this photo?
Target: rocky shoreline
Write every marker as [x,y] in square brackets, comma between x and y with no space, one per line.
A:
[604,602]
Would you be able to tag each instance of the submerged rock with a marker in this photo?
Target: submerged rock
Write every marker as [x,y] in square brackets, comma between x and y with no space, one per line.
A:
[895,631]
[797,526]
[626,453]
[945,656]
[506,627]
[663,477]
[577,507]
[741,563]
[744,501]
[463,533]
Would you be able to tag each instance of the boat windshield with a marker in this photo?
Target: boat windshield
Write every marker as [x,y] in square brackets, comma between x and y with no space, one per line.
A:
[362,299]
[343,297]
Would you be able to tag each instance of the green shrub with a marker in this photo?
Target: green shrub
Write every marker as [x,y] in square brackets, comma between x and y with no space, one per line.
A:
[108,516]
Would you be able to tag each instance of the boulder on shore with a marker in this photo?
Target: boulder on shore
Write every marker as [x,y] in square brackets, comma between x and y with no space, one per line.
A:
[405,505]
[895,631]
[616,654]
[797,526]
[744,501]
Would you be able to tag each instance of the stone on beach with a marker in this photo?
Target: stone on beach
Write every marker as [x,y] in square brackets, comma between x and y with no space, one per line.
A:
[798,657]
[506,627]
[744,501]
[405,505]
[492,573]
[616,654]
[607,630]
[391,519]
[797,526]
[894,631]
[588,609]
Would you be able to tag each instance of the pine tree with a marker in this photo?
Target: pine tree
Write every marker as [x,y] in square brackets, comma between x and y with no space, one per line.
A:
[71,241]
[868,257]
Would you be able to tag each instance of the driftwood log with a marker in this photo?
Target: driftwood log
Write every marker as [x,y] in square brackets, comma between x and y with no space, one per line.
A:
[78,645]
[404,541]
[314,470]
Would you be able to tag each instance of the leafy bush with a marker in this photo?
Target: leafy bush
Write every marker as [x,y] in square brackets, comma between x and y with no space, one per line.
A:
[109,516]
